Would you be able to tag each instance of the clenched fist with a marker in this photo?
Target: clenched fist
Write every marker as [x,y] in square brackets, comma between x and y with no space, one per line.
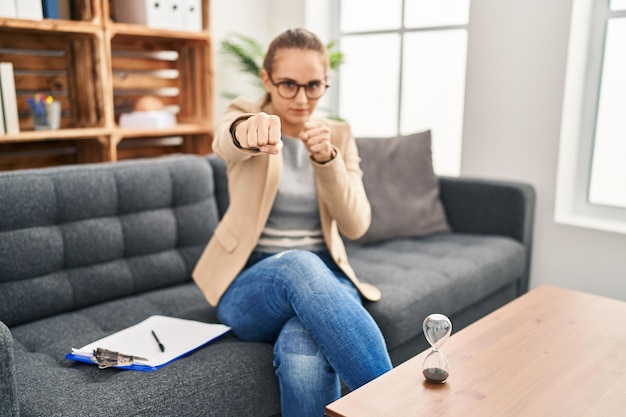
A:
[316,138]
[261,131]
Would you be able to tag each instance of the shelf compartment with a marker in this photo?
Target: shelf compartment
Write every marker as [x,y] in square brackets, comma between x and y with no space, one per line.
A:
[119,28]
[182,138]
[177,72]
[35,154]
[55,65]
[86,18]
[146,147]
[97,69]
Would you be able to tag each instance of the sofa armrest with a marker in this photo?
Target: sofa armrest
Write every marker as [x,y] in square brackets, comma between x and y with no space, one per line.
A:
[8,386]
[493,207]
[221,182]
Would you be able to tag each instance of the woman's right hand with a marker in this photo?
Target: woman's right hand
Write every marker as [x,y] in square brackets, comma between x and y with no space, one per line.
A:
[261,131]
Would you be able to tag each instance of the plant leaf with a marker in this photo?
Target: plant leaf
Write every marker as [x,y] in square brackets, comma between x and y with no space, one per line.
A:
[245,52]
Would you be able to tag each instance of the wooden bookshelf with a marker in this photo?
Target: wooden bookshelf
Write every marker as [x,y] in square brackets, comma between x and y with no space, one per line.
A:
[97,68]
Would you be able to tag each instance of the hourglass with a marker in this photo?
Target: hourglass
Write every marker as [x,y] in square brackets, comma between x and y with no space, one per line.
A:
[437,329]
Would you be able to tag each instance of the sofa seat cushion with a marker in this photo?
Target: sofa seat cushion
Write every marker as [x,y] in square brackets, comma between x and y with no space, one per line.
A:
[236,379]
[443,273]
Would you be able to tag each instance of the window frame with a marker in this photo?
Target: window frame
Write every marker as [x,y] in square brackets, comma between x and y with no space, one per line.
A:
[402,31]
[580,109]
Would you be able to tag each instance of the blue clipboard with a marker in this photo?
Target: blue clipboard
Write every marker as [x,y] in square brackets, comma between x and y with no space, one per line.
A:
[176,338]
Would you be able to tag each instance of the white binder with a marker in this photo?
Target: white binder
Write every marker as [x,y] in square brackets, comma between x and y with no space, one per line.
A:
[163,14]
[192,11]
[29,9]
[9,98]
[8,8]
[174,17]
[2,130]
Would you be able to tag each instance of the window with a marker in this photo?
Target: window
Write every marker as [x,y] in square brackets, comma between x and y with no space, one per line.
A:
[591,184]
[405,71]
[608,168]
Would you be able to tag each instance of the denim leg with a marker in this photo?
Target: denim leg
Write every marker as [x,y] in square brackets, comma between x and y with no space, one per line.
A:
[298,283]
[307,381]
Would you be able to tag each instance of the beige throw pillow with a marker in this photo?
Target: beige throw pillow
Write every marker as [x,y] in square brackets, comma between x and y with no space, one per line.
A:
[402,187]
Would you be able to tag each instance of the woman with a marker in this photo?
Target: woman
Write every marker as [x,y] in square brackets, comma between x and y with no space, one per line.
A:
[276,266]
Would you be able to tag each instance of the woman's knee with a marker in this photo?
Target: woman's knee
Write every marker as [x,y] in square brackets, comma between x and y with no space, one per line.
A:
[303,264]
[300,271]
[298,257]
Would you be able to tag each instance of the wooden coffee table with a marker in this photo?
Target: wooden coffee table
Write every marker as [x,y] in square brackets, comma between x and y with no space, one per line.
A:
[551,352]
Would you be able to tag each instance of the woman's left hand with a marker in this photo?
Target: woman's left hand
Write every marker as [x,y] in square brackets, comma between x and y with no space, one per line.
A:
[316,138]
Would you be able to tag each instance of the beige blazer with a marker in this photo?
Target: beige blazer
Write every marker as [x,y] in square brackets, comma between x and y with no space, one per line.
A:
[253,179]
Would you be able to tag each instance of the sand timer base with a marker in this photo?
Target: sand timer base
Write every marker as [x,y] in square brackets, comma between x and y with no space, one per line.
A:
[435,367]
[435,375]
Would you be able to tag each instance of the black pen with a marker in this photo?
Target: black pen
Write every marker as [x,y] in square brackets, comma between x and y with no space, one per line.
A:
[158,341]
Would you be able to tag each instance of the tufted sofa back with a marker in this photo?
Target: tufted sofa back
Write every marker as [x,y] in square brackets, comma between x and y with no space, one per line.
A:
[78,235]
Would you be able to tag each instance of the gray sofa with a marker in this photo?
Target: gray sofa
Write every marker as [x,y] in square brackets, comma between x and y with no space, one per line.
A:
[87,250]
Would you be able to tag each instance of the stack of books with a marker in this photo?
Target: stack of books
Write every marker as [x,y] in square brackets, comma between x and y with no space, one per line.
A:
[35,9]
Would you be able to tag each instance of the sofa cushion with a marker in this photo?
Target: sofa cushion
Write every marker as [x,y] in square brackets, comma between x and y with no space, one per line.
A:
[97,232]
[443,273]
[224,378]
[401,186]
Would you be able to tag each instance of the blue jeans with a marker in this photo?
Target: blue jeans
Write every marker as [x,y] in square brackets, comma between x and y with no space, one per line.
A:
[303,303]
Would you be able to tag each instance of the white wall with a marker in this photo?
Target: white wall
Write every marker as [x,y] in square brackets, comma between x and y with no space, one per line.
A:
[515,80]
[260,19]
[248,17]
[516,72]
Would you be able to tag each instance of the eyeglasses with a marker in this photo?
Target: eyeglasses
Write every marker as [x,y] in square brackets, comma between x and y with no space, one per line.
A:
[289,89]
